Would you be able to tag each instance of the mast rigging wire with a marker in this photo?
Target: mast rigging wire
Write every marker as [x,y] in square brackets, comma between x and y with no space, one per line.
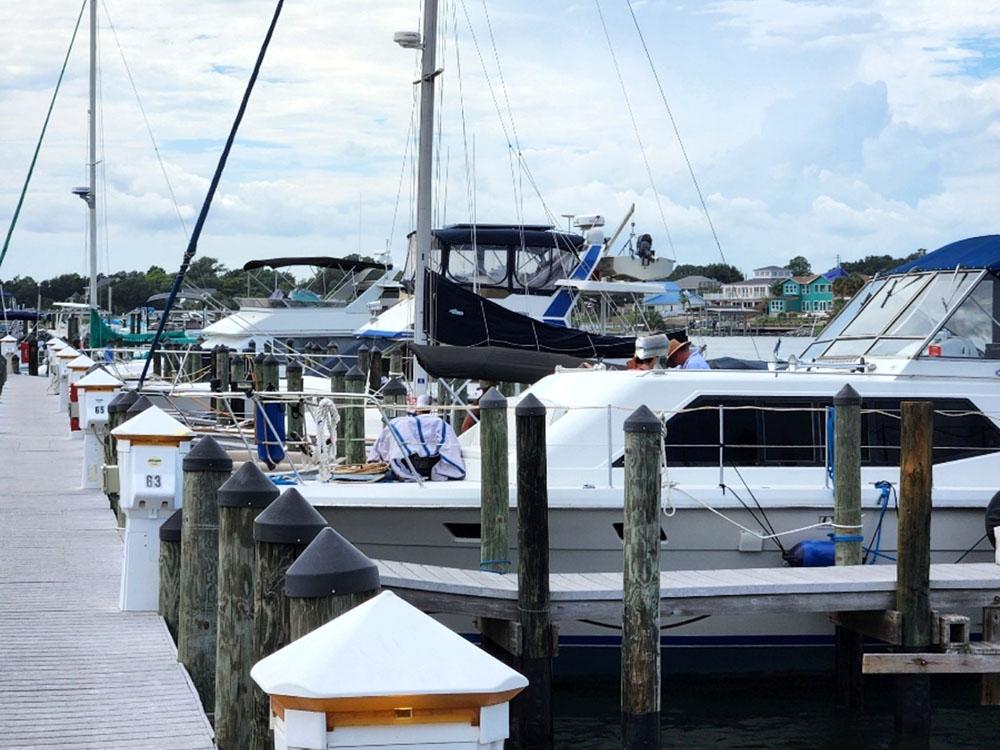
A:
[41,136]
[677,132]
[192,247]
[635,127]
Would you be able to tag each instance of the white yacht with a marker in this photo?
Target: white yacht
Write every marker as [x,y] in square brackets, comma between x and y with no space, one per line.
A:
[303,316]
[746,451]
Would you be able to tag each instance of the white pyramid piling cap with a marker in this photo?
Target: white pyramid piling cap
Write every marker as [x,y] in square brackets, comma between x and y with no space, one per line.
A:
[152,423]
[68,352]
[8,339]
[99,378]
[55,344]
[384,647]
[83,362]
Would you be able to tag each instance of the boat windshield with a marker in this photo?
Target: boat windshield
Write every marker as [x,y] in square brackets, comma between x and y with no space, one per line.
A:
[952,312]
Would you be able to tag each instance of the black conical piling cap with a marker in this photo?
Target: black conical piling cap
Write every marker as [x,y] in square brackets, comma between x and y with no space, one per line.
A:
[339,368]
[293,366]
[330,566]
[847,396]
[492,399]
[170,531]
[138,407]
[354,374]
[288,520]
[530,406]
[376,349]
[207,455]
[394,387]
[364,349]
[248,487]
[643,421]
[259,359]
[312,347]
[271,361]
[121,403]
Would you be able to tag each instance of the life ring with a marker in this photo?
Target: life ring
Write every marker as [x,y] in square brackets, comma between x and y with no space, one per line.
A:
[993,518]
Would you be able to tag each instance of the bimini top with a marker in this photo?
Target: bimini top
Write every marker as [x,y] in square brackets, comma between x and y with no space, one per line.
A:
[974,252]
[529,235]
[342,264]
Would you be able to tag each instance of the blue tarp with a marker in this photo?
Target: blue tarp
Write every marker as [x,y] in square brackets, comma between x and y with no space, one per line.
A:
[835,273]
[975,252]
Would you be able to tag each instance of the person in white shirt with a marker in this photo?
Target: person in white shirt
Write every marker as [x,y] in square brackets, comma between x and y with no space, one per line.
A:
[681,355]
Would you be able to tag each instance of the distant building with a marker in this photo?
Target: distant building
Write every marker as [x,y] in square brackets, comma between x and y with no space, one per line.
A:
[698,284]
[747,294]
[771,272]
[803,294]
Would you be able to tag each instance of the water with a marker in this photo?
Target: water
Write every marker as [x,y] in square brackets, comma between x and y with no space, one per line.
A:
[771,712]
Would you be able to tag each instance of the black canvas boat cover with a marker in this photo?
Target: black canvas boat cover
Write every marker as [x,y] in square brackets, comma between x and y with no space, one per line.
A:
[459,317]
[490,363]
[319,261]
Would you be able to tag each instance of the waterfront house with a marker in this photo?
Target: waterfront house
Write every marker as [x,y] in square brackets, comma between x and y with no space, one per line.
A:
[803,294]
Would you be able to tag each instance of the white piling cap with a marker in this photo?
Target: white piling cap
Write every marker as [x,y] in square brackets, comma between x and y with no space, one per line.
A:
[384,647]
[99,378]
[55,343]
[82,362]
[68,352]
[8,339]
[152,423]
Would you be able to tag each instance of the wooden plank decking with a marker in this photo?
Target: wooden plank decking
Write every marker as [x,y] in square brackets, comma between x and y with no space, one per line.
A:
[693,592]
[75,672]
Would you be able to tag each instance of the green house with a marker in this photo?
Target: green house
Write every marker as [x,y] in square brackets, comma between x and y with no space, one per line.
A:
[803,294]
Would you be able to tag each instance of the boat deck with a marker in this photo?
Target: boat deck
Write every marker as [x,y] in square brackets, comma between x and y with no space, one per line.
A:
[75,672]
[954,587]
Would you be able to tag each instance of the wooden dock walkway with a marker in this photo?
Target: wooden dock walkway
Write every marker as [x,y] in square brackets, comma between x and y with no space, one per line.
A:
[75,672]
[743,591]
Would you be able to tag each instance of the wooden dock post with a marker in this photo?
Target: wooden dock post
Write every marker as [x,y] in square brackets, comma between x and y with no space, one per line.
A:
[296,411]
[641,582]
[394,398]
[223,383]
[329,578]
[244,495]
[353,435]
[533,707]
[364,361]
[913,707]
[396,363]
[206,468]
[375,369]
[281,533]
[495,485]
[990,691]
[112,476]
[849,644]
[170,571]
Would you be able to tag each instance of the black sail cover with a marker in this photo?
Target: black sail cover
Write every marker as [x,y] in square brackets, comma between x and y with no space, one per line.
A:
[462,318]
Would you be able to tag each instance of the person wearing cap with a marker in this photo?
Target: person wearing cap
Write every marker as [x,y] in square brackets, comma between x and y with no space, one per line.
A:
[648,349]
[680,355]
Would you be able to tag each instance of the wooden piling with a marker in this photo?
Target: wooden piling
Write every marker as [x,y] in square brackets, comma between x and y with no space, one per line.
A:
[394,398]
[281,533]
[364,361]
[206,468]
[913,561]
[848,644]
[495,485]
[375,369]
[296,411]
[990,691]
[244,495]
[641,582]
[32,355]
[533,707]
[396,363]
[170,571]
[353,417]
[117,408]
[222,383]
[329,578]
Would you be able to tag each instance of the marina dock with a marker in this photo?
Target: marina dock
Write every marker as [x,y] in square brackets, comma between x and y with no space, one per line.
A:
[75,671]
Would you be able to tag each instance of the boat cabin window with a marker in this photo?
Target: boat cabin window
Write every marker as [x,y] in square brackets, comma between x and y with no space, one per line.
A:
[885,305]
[792,431]
[973,330]
[482,264]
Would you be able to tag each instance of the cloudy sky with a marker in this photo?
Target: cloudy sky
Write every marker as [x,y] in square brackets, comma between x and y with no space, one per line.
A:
[814,128]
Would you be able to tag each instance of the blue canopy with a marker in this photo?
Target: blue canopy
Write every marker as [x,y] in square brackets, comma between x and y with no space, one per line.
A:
[835,273]
[975,252]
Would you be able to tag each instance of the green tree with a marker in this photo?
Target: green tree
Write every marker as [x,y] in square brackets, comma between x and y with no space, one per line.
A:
[721,272]
[799,266]
[848,286]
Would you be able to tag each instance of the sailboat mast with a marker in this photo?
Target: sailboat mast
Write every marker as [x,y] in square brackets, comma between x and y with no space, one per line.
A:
[92,162]
[424,163]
